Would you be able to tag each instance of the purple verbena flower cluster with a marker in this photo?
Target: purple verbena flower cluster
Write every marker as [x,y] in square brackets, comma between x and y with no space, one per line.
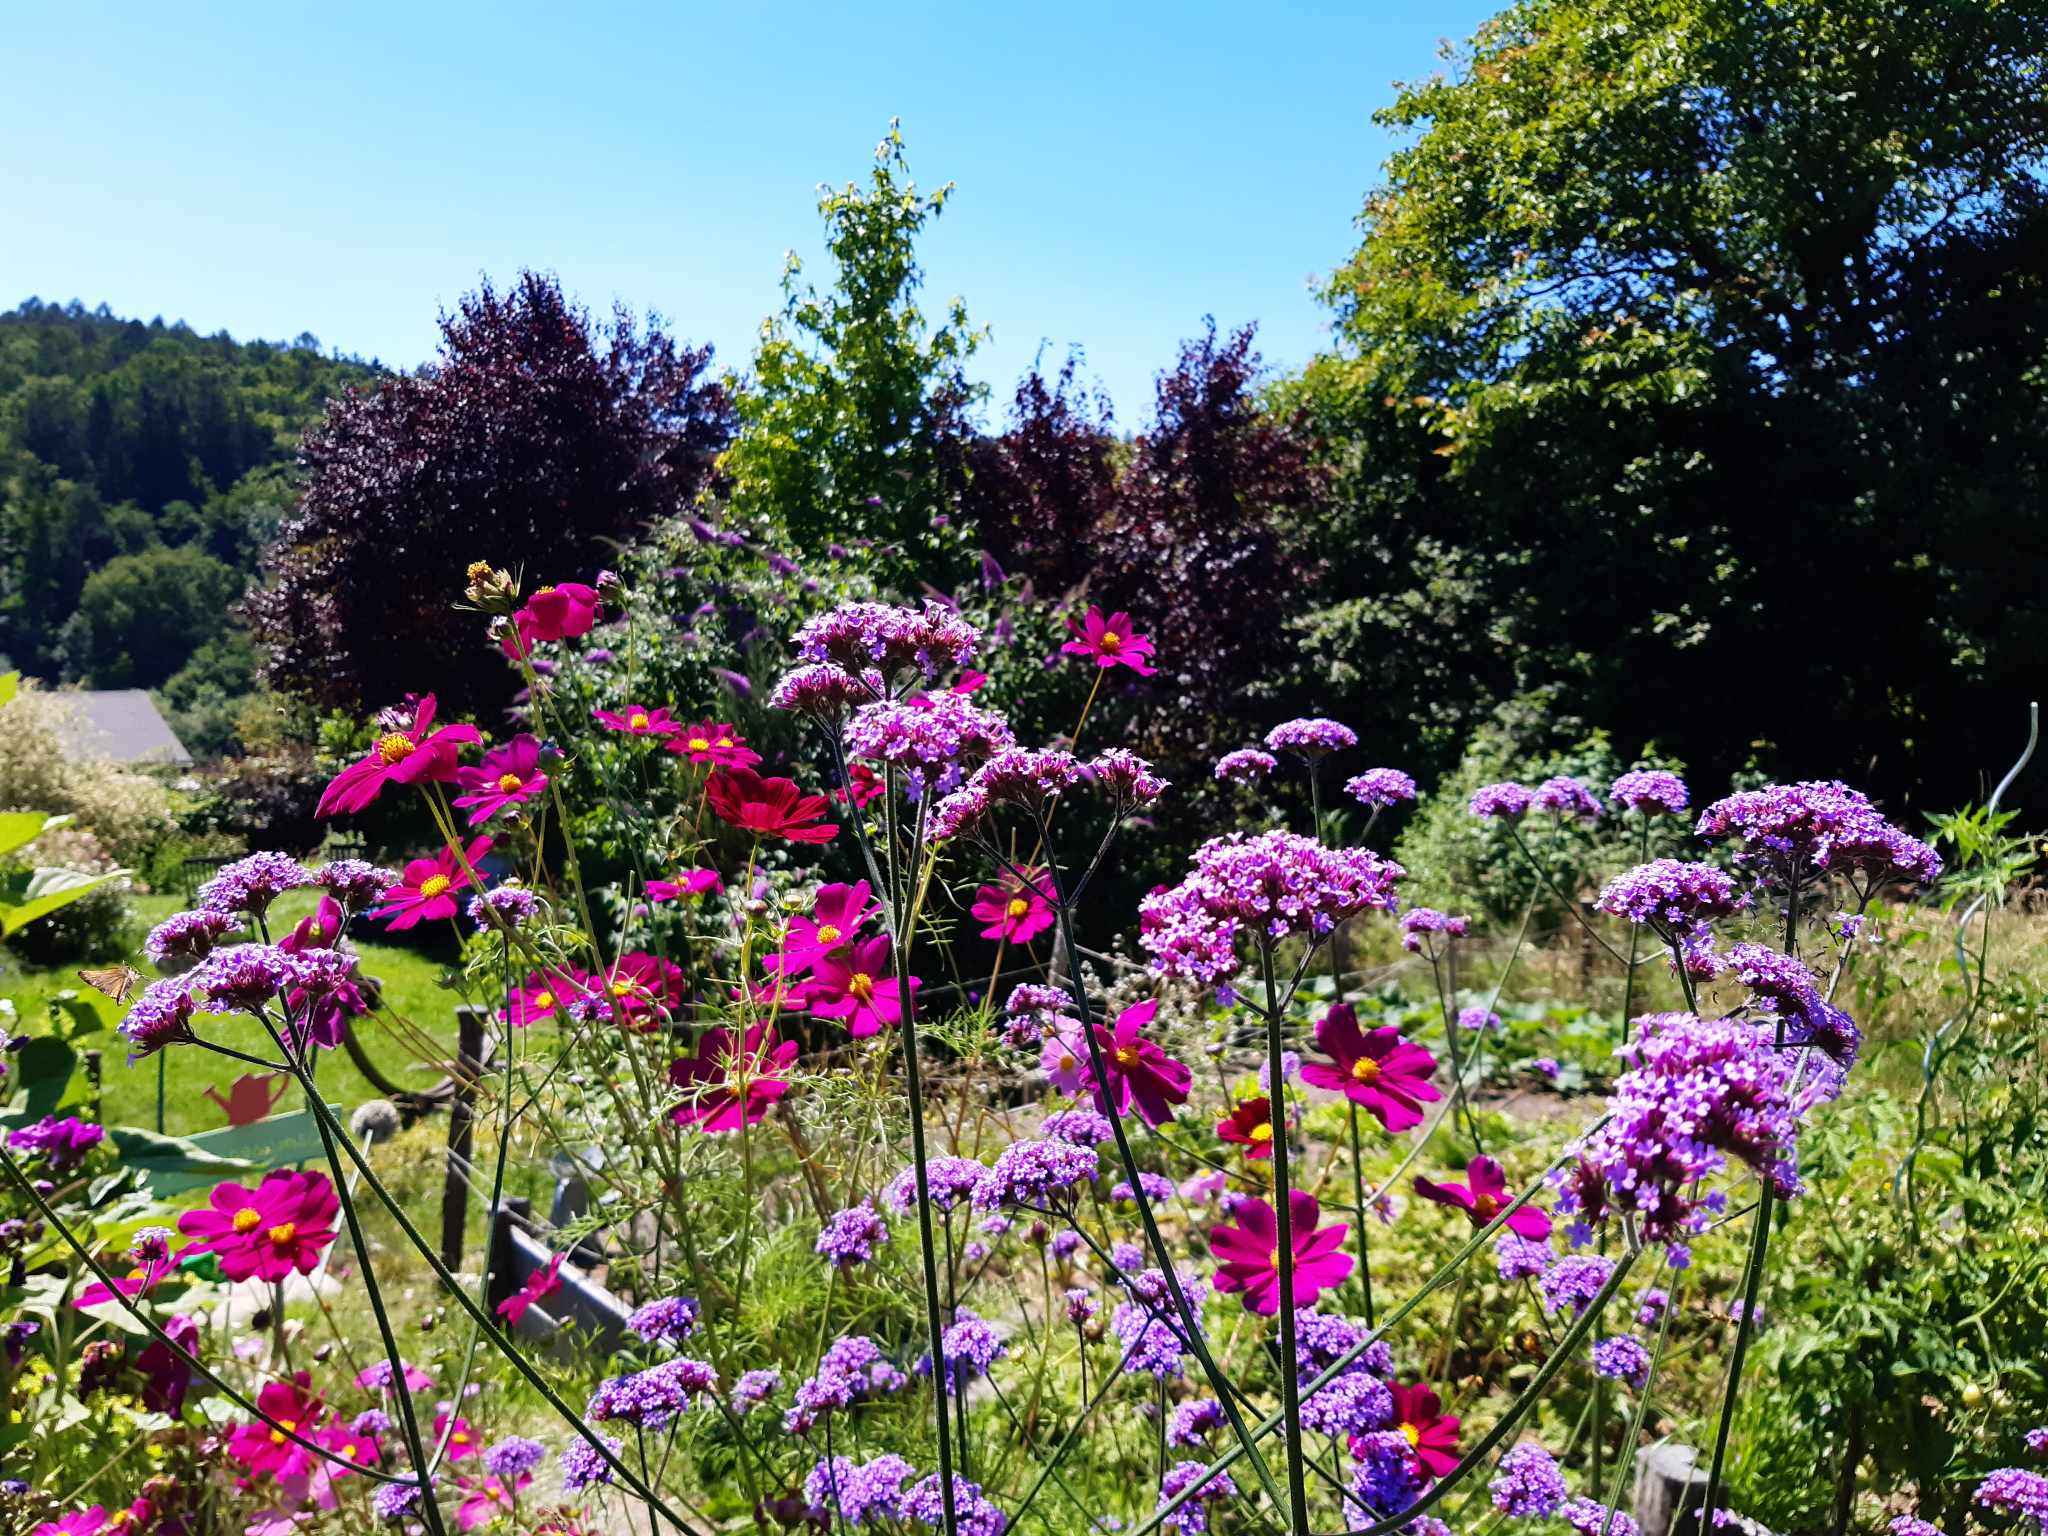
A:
[1530,1485]
[1311,737]
[1380,788]
[1651,791]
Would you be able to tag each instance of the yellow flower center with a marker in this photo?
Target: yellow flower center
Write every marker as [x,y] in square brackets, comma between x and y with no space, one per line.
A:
[277,1435]
[1414,1435]
[862,986]
[460,1437]
[434,885]
[1260,1133]
[135,1274]
[1486,1207]
[827,934]
[1111,639]
[248,1219]
[1272,1258]
[699,744]
[508,782]
[282,1233]
[1018,906]
[622,988]
[543,999]
[1365,1070]
[1127,1055]
[725,741]
[393,745]
[349,1450]
[538,590]
[478,570]
[1067,1061]
[637,720]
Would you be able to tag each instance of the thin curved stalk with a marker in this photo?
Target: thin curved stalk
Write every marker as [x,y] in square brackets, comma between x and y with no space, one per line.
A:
[1290,1401]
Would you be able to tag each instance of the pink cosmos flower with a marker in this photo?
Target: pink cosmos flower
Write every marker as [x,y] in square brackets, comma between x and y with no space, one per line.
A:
[343,1441]
[688,882]
[837,913]
[1379,1071]
[1064,1059]
[462,1439]
[1485,1198]
[140,1280]
[544,996]
[1432,1434]
[318,930]
[263,1450]
[854,984]
[726,1085]
[1250,1253]
[428,890]
[166,1377]
[865,786]
[1112,642]
[486,1501]
[637,720]
[707,742]
[506,776]
[80,1522]
[1013,910]
[564,611]
[642,988]
[542,1283]
[281,1226]
[405,754]
[1139,1072]
[377,1377]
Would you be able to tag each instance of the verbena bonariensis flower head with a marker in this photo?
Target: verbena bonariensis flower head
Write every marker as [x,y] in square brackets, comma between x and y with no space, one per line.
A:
[1564,796]
[60,1140]
[1418,922]
[1622,1358]
[934,741]
[667,1322]
[1529,1486]
[649,1399]
[859,636]
[1377,1070]
[1799,830]
[860,1494]
[2015,1491]
[1312,737]
[852,1370]
[243,978]
[950,1180]
[1380,788]
[1699,1093]
[161,1016]
[1192,1517]
[1273,885]
[1036,1175]
[971,1345]
[1484,1196]
[1786,989]
[408,750]
[827,693]
[250,885]
[355,883]
[280,1227]
[1124,779]
[1245,764]
[1249,1260]
[1150,1327]
[1651,791]
[184,939]
[1506,801]
[1025,777]
[1676,898]
[850,1237]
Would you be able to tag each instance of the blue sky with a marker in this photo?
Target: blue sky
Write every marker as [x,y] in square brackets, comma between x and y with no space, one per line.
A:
[1123,170]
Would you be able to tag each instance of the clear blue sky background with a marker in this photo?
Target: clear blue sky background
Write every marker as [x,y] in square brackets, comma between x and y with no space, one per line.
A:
[348,170]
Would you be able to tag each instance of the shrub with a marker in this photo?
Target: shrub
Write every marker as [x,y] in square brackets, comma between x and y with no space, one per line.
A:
[39,770]
[97,926]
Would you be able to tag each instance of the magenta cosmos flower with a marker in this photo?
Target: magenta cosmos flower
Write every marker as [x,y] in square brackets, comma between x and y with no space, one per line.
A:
[1112,641]
[544,996]
[643,984]
[281,1226]
[428,889]
[709,742]
[1250,1253]
[561,612]
[637,720]
[1377,1070]
[540,1285]
[506,776]
[1484,1197]
[688,882]
[854,984]
[262,1449]
[728,1084]
[1139,1073]
[406,753]
[1431,1433]
[1014,911]
[837,913]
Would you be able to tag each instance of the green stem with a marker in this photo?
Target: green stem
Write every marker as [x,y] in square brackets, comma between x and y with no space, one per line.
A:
[1283,1216]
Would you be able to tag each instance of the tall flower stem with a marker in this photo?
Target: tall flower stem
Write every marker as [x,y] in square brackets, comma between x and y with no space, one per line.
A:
[1190,1325]
[1290,1401]
[1358,1205]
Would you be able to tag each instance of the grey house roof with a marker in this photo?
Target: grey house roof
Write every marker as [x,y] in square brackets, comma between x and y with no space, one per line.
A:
[123,725]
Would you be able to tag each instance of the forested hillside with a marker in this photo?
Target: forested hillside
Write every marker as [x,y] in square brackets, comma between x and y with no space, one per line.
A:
[143,467]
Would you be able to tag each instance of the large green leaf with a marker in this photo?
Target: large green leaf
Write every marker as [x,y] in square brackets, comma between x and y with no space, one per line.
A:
[170,1165]
[20,828]
[44,892]
[233,1151]
[43,1072]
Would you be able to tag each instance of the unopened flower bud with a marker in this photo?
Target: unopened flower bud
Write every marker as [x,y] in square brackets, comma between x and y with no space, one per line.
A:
[492,590]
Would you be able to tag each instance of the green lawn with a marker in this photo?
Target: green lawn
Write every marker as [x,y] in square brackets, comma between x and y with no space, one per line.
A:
[412,993]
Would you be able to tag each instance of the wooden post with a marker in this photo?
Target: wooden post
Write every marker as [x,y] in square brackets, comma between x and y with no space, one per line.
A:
[1670,1487]
[469,1066]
